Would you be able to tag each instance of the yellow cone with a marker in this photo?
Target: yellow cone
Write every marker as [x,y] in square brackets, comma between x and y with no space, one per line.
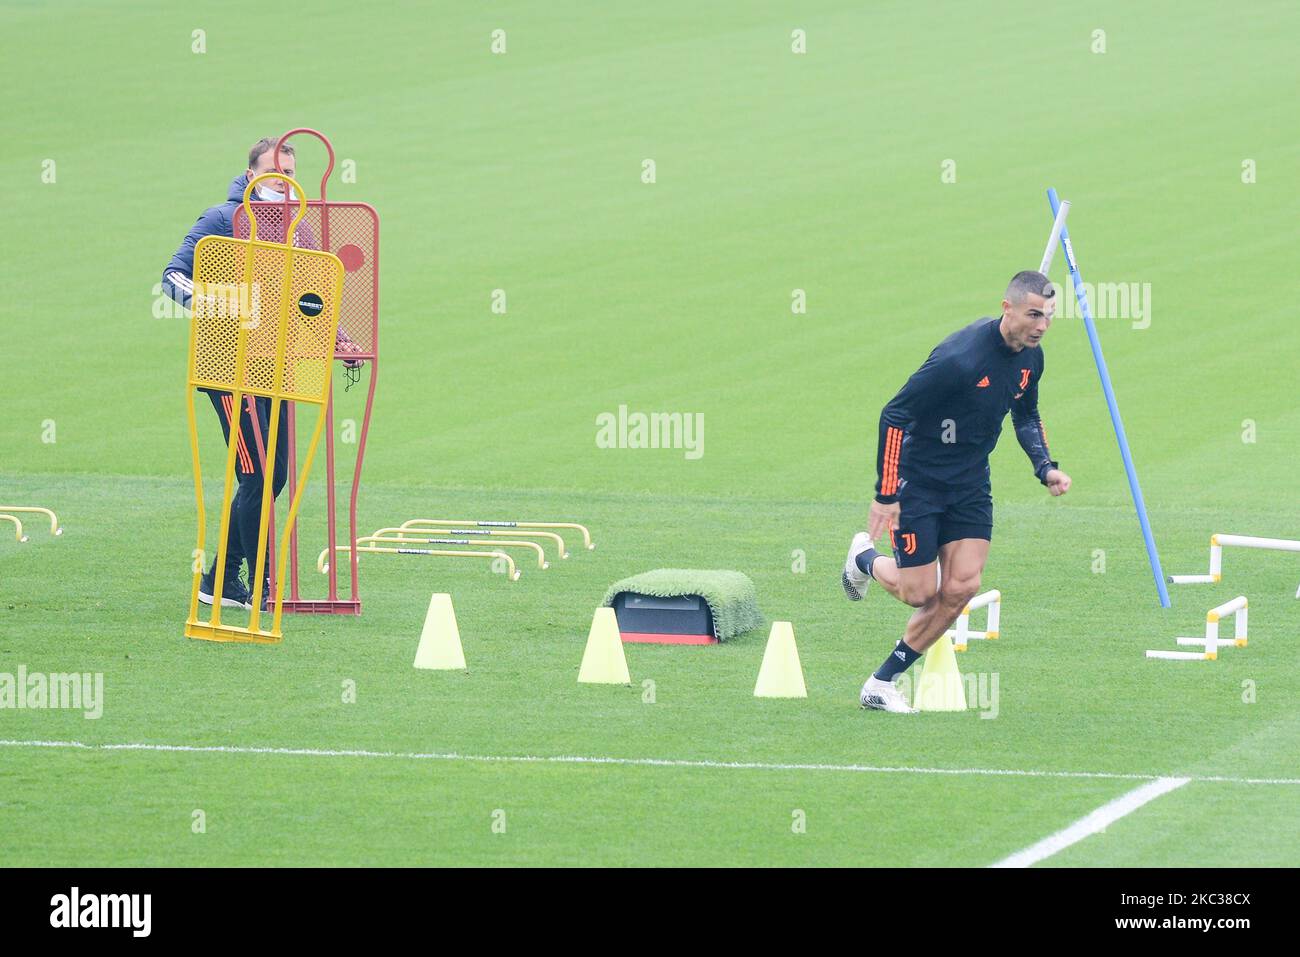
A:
[440,640]
[603,662]
[940,687]
[780,675]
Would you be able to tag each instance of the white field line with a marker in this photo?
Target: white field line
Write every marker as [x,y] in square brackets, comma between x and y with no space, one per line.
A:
[1097,821]
[632,762]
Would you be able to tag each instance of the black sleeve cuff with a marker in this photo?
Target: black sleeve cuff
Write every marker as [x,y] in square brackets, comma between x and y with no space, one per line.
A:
[1044,469]
[886,499]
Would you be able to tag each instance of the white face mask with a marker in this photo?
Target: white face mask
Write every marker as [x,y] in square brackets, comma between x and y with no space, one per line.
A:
[273,196]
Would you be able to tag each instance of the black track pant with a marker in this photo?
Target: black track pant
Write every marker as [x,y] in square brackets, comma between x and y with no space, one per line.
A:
[246,505]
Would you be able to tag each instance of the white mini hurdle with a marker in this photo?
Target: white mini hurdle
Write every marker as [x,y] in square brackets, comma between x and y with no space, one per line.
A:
[1211,642]
[992,600]
[1217,543]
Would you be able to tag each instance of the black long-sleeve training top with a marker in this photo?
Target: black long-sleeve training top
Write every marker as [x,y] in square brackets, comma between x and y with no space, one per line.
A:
[940,428]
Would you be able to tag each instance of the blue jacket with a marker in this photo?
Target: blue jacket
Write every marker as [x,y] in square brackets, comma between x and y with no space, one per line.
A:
[215,221]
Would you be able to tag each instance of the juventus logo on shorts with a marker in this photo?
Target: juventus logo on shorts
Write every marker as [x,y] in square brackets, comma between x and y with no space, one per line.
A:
[909,542]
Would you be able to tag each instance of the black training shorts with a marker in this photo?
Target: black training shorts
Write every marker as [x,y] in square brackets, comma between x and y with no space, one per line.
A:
[931,517]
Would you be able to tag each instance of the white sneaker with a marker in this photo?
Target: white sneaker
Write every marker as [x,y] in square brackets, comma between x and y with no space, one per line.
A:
[854,579]
[883,696]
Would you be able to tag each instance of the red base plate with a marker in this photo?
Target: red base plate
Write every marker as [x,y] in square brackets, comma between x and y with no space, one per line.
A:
[324,606]
[646,638]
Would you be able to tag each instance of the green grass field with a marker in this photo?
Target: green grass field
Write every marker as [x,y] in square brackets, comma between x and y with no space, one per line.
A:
[775,171]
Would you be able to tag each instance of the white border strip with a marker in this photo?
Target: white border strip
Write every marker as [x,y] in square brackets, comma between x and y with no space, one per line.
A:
[1096,821]
[633,762]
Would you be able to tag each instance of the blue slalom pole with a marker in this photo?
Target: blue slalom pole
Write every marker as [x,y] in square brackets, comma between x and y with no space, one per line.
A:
[1086,311]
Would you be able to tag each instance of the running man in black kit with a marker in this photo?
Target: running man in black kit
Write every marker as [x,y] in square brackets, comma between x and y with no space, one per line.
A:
[932,463]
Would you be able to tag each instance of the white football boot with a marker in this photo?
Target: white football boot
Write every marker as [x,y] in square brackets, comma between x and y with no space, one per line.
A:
[883,696]
[854,579]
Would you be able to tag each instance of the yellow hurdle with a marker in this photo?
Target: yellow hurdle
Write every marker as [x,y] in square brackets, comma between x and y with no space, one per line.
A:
[265,318]
[6,510]
[457,523]
[322,560]
[373,549]
[18,527]
[479,533]
[414,538]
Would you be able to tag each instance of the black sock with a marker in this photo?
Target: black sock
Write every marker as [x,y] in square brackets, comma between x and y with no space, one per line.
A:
[865,559]
[899,660]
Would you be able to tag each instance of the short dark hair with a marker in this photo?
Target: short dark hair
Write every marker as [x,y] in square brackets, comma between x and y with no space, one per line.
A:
[265,144]
[1029,281]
